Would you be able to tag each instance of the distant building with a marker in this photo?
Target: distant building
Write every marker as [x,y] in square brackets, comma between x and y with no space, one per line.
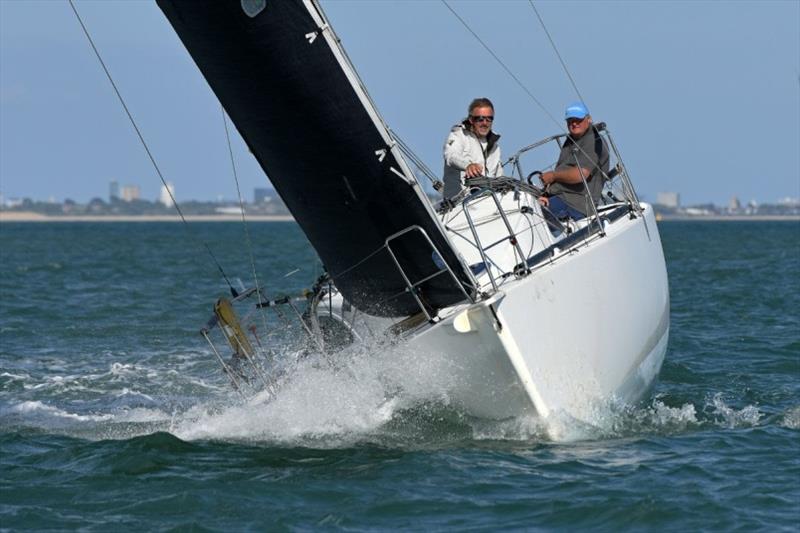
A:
[262,195]
[228,210]
[698,211]
[734,205]
[668,199]
[129,193]
[788,201]
[113,191]
[167,194]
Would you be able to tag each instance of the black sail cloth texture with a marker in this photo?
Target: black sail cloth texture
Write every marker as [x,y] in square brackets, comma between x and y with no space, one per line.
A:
[302,118]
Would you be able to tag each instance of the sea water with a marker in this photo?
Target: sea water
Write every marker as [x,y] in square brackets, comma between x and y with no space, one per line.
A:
[114,414]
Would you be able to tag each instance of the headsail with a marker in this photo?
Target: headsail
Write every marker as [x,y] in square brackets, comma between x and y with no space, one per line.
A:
[278,69]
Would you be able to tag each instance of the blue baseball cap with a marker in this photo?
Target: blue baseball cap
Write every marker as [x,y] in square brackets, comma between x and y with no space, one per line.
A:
[576,110]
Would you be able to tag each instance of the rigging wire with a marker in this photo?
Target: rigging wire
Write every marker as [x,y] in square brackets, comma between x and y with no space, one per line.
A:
[416,161]
[555,49]
[566,70]
[147,149]
[259,292]
[500,62]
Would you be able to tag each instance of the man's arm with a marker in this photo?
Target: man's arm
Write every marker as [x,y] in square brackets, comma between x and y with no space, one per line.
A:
[457,155]
[571,175]
[584,158]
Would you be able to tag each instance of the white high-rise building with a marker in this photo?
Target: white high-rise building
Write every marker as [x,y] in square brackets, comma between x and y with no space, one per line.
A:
[164,197]
[668,199]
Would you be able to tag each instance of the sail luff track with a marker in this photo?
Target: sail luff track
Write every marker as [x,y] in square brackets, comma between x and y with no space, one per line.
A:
[311,126]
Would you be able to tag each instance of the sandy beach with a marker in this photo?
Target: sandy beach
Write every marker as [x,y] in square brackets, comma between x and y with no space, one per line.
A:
[29,216]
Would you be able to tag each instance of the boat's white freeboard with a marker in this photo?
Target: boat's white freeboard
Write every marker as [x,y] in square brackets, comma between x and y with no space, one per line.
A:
[584,329]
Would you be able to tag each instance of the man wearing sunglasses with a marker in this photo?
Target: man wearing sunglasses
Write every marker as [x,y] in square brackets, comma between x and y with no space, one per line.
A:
[471,148]
[584,155]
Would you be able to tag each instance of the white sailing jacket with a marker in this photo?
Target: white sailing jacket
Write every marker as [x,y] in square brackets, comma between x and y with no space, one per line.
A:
[461,149]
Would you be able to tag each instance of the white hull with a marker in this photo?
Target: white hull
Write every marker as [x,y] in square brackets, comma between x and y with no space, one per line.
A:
[588,327]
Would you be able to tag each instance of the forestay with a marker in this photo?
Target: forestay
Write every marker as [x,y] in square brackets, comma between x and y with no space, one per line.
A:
[277,68]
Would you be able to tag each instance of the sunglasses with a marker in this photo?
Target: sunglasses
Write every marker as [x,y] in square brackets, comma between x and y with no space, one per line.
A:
[481,118]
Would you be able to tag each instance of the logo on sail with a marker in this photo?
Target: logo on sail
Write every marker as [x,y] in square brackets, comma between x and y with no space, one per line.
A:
[253,7]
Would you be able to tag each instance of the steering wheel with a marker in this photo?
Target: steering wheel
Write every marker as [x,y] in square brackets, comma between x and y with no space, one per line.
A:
[532,174]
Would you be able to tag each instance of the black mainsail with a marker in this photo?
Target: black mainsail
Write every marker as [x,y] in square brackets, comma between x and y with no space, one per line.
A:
[281,75]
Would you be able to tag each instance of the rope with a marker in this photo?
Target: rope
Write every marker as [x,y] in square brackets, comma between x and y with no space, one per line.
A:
[555,49]
[147,149]
[499,184]
[244,219]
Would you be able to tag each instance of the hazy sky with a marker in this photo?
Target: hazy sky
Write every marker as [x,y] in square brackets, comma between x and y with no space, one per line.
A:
[703,98]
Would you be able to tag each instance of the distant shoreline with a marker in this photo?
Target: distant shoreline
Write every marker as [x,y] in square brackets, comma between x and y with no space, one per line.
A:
[728,218]
[29,216]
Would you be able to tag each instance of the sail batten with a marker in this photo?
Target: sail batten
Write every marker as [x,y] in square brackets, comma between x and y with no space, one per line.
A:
[292,94]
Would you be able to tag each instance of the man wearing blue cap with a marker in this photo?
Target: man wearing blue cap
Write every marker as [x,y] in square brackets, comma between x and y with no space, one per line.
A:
[584,156]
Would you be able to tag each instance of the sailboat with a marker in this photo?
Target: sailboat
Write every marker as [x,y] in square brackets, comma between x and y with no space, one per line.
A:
[526,322]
